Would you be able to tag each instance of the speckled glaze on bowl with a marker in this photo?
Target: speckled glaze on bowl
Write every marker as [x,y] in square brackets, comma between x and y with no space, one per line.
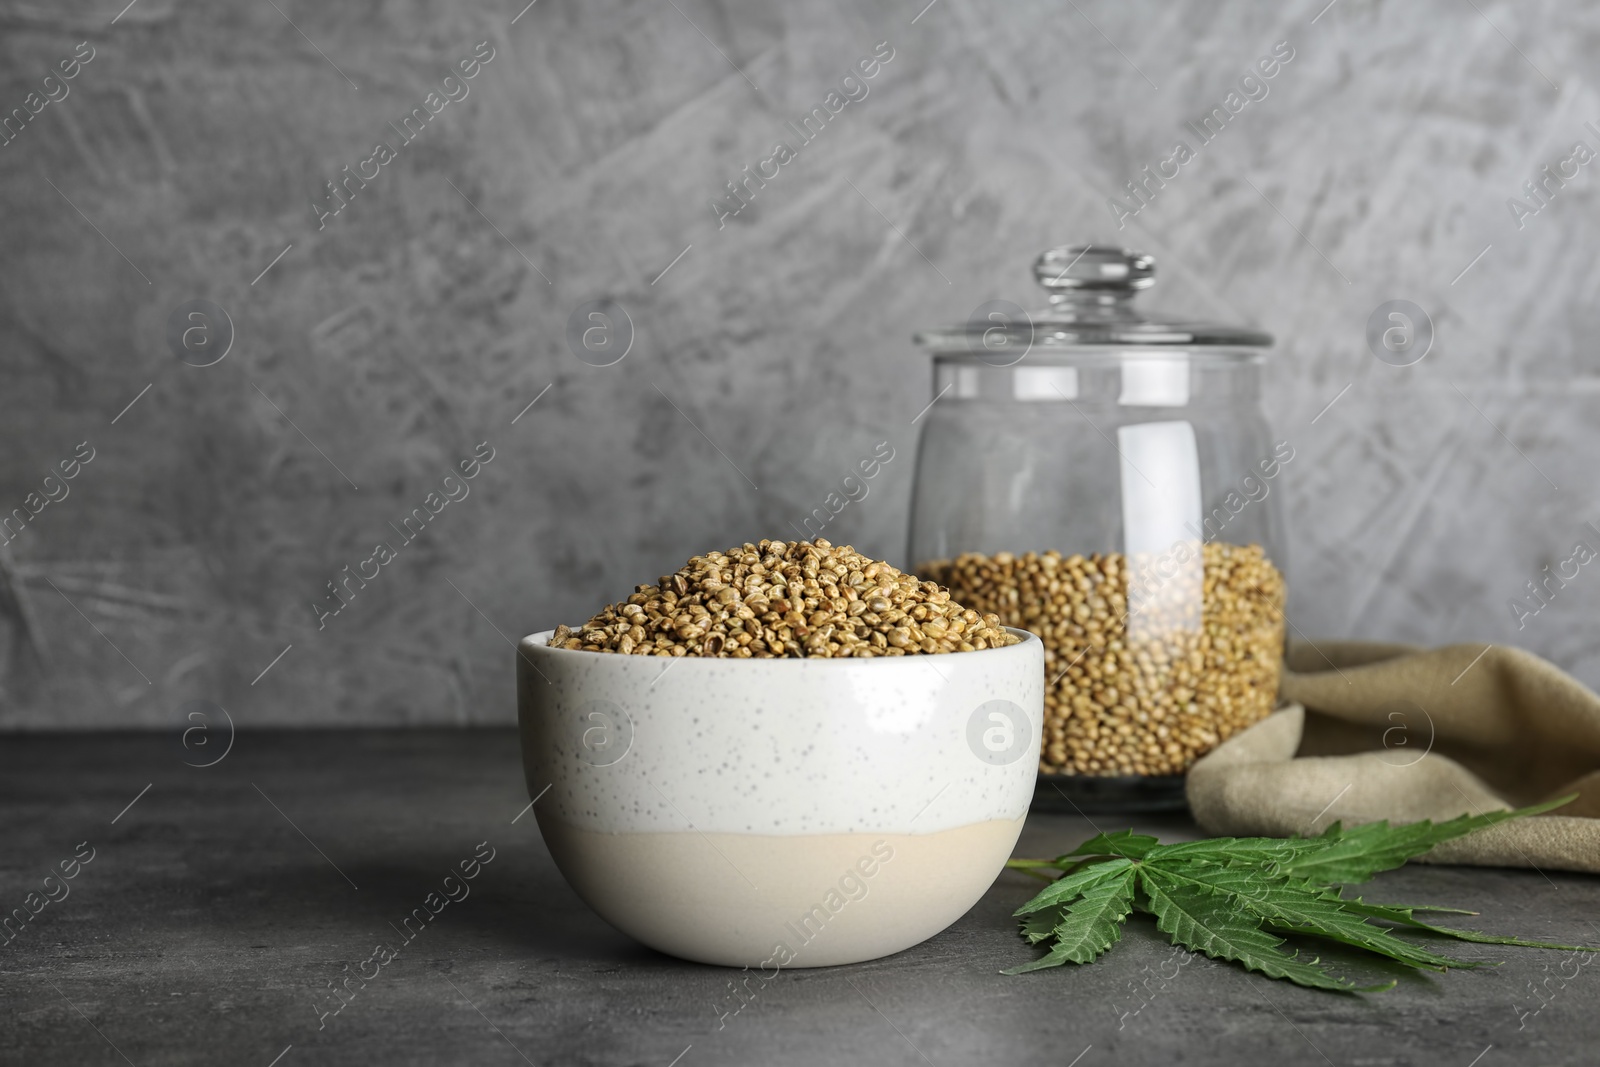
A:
[780,812]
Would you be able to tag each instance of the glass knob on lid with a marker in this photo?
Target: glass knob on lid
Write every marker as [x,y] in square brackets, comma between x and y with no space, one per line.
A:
[1090,289]
[1096,269]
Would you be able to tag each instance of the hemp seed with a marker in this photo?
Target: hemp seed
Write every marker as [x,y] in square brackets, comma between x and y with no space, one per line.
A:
[1145,691]
[786,599]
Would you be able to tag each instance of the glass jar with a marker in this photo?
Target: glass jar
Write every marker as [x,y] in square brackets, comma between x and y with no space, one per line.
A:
[1107,480]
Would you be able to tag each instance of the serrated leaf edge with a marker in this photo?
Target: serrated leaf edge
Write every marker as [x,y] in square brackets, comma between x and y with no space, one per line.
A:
[1292,968]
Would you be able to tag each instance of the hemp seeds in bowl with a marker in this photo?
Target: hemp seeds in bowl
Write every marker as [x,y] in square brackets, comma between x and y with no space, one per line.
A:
[787,599]
[706,807]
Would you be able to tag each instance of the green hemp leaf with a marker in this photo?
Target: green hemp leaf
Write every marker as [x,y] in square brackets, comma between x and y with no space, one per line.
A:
[1239,898]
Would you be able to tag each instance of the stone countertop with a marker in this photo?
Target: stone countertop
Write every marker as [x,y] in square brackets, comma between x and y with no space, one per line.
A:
[219,906]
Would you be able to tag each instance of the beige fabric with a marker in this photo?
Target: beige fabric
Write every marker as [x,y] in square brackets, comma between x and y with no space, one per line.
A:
[1378,731]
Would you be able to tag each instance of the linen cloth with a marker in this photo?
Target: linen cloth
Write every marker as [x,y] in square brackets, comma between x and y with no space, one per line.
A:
[1377,731]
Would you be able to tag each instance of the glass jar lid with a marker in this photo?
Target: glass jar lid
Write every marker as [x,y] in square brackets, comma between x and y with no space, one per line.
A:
[1091,290]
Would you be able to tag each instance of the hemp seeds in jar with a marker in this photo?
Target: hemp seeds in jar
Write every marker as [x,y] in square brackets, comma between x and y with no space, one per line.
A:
[1141,692]
[1106,479]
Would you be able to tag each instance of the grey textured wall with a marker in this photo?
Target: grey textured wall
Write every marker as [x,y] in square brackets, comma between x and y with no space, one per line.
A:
[425,315]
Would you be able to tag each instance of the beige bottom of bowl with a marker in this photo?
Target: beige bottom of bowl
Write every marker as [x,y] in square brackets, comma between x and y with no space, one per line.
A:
[753,900]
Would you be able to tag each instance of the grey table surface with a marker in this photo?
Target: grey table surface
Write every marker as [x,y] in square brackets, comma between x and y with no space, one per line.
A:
[220,905]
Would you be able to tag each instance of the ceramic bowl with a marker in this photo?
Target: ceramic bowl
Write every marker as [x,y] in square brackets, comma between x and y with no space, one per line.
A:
[780,812]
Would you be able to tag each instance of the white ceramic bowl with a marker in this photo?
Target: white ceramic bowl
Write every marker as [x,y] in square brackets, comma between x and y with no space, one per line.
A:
[780,812]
